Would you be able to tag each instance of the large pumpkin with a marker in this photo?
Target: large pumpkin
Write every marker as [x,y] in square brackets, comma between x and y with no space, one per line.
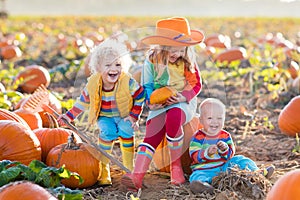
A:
[161,95]
[32,77]
[76,158]
[53,136]
[161,157]
[18,143]
[24,190]
[289,117]
[287,187]
[8,115]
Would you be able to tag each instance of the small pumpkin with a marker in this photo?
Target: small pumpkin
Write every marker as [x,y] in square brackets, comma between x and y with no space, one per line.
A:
[24,190]
[293,69]
[76,158]
[32,77]
[18,143]
[53,136]
[33,119]
[232,54]
[286,187]
[288,119]
[161,95]
[10,52]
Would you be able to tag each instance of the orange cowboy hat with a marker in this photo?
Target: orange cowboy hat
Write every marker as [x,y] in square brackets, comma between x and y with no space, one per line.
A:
[174,31]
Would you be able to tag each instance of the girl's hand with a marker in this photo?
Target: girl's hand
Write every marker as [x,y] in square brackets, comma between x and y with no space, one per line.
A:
[134,122]
[222,146]
[175,99]
[212,150]
[62,120]
[155,106]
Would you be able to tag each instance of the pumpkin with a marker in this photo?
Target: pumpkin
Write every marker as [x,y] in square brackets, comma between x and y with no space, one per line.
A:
[218,41]
[288,119]
[232,54]
[76,158]
[161,95]
[18,143]
[10,51]
[293,69]
[8,115]
[32,77]
[161,157]
[24,190]
[33,119]
[286,187]
[53,136]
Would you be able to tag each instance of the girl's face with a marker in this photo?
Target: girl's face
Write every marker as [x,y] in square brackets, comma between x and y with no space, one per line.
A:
[110,71]
[212,118]
[175,53]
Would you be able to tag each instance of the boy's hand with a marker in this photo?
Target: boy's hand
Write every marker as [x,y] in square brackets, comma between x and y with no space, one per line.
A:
[134,122]
[62,118]
[212,150]
[222,146]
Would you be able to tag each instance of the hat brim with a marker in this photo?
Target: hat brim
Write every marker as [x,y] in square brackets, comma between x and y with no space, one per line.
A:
[196,37]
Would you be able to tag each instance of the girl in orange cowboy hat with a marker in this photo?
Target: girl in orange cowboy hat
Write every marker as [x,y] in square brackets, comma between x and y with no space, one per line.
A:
[171,63]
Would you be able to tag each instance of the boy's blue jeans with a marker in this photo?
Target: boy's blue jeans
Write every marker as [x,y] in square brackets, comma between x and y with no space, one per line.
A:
[207,175]
[113,127]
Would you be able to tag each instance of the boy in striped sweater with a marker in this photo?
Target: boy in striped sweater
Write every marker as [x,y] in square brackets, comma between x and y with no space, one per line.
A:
[212,149]
[114,100]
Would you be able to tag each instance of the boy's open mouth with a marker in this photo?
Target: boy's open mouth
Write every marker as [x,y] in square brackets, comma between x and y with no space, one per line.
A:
[113,74]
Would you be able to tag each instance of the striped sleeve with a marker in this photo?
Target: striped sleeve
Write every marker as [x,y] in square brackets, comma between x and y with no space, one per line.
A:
[82,103]
[138,95]
[193,85]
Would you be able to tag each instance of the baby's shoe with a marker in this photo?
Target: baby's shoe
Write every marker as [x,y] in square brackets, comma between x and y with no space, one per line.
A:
[199,187]
[268,171]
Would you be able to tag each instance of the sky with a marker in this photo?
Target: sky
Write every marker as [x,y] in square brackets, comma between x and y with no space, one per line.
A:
[198,8]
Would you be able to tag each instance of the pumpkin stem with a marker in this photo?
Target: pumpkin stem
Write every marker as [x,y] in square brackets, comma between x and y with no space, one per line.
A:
[52,121]
[70,145]
[72,142]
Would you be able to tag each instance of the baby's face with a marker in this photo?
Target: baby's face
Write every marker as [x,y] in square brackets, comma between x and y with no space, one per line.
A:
[212,118]
[110,70]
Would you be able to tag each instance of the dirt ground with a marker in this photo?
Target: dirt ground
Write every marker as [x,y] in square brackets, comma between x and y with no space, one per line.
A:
[252,121]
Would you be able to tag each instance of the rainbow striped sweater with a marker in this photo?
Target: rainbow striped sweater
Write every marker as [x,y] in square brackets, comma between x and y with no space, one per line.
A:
[198,150]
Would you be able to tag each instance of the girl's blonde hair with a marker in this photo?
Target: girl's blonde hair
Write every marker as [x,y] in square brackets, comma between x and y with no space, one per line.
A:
[160,54]
[111,48]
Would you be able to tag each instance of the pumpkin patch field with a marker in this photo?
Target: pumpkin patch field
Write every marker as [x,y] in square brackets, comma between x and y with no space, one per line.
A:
[251,64]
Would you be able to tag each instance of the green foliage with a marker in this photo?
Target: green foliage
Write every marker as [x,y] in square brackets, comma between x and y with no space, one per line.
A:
[41,174]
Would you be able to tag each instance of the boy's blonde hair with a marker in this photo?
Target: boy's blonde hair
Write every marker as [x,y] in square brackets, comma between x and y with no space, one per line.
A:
[111,48]
[213,101]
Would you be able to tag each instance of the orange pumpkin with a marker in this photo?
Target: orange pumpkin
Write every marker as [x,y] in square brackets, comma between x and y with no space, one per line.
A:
[76,158]
[232,54]
[53,136]
[10,52]
[8,115]
[286,187]
[288,119]
[218,41]
[33,119]
[32,77]
[161,157]
[161,95]
[18,143]
[293,69]
[24,190]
